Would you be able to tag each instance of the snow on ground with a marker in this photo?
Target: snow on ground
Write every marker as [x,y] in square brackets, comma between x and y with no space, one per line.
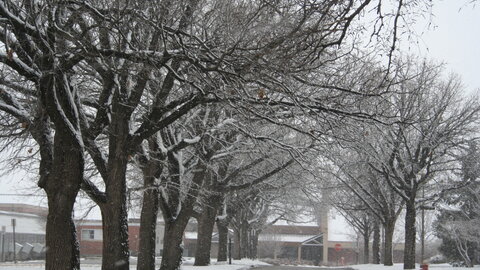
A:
[400,267]
[236,265]
[187,265]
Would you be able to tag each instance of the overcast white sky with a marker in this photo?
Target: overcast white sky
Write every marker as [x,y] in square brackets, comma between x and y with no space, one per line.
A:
[453,38]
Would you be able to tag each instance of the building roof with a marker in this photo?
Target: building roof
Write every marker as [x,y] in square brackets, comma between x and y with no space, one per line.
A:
[293,229]
[24,208]
[290,238]
[98,222]
[17,214]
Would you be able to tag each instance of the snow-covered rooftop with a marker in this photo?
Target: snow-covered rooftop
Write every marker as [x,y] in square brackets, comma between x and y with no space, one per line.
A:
[8,213]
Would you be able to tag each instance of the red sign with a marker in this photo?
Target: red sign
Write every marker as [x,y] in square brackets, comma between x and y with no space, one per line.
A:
[338,247]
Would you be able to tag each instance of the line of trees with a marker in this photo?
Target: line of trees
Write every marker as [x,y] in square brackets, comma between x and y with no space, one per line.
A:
[388,166]
[215,104]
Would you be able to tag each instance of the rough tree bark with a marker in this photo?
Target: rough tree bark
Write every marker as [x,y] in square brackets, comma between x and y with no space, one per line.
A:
[177,213]
[222,226]
[253,244]
[151,169]
[244,239]
[114,212]
[172,241]
[62,187]
[366,241]
[206,222]
[376,243]
[115,235]
[388,249]
[148,221]
[236,244]
[61,163]
[410,233]
[63,179]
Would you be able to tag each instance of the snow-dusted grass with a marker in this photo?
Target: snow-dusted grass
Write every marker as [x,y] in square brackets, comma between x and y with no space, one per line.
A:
[400,267]
[187,265]
[236,264]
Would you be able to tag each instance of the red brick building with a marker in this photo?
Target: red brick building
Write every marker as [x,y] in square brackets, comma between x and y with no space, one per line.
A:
[293,242]
[91,236]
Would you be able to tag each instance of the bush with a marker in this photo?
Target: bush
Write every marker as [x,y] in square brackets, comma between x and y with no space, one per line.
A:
[439,258]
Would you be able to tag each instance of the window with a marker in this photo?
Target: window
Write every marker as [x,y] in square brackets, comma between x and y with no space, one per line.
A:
[92,234]
[88,234]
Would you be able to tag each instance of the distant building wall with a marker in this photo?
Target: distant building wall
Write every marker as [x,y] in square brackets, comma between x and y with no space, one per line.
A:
[90,234]
[25,223]
[345,256]
[90,239]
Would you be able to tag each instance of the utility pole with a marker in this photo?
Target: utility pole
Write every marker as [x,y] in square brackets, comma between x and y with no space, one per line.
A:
[2,258]
[229,250]
[422,254]
[14,223]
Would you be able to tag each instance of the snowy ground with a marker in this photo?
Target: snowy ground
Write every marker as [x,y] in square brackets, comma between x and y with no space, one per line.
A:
[236,265]
[400,267]
[187,265]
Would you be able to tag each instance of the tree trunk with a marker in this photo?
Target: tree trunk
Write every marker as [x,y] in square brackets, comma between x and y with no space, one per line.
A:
[148,225]
[115,221]
[243,239]
[62,187]
[61,241]
[222,227]
[253,243]
[115,237]
[410,236]
[388,252]
[366,240]
[61,172]
[152,168]
[115,255]
[237,255]
[376,244]
[206,222]
[175,224]
[172,247]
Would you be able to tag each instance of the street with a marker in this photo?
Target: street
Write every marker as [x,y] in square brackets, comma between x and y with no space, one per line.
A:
[297,268]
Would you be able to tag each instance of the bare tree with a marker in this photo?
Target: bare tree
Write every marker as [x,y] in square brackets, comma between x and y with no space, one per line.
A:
[432,122]
[33,52]
[357,214]
[369,187]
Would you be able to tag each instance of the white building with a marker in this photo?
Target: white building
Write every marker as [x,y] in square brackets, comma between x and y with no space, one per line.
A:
[25,223]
